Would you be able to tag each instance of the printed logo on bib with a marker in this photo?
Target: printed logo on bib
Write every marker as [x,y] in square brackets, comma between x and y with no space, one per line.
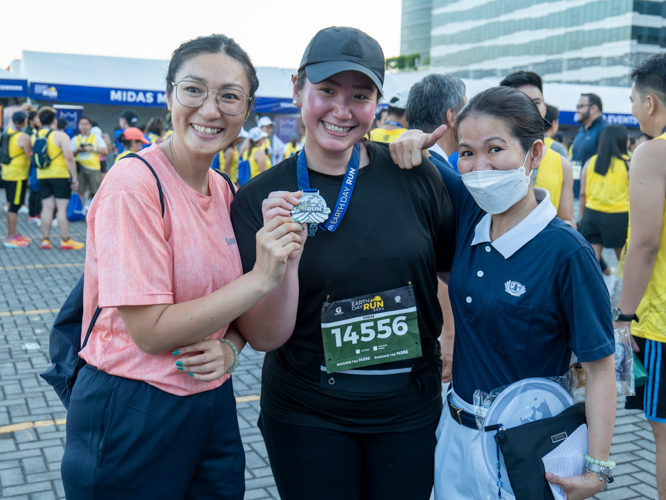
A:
[371,329]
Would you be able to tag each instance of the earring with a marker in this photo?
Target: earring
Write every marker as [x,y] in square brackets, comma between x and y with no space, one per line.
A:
[295,102]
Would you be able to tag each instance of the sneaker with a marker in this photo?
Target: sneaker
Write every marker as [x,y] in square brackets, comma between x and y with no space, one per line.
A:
[13,242]
[23,210]
[71,244]
[34,219]
[46,244]
[610,280]
[23,238]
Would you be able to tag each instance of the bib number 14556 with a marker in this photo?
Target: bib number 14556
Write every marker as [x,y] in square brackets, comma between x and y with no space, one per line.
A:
[381,329]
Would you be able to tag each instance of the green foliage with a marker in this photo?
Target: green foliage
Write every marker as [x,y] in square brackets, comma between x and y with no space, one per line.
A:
[408,62]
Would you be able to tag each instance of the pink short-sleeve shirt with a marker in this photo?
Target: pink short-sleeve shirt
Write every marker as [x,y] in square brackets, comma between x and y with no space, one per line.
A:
[137,257]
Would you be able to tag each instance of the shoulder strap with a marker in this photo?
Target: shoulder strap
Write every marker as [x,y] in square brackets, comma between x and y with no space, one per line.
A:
[157,179]
[226,178]
[159,188]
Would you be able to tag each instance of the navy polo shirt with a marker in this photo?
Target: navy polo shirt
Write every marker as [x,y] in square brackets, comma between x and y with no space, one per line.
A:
[523,302]
[587,140]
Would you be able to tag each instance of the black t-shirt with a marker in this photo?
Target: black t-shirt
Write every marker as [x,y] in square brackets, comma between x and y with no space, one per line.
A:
[399,228]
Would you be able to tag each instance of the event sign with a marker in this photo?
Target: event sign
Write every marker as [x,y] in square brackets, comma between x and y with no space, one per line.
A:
[97,95]
[13,88]
[568,118]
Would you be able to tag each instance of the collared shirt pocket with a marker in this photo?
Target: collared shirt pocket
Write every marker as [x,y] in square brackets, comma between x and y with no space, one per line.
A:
[510,334]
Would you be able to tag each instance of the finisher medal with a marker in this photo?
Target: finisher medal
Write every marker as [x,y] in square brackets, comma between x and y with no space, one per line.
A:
[311,208]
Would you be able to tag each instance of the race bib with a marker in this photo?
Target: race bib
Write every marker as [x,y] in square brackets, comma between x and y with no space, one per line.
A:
[85,156]
[370,330]
[576,169]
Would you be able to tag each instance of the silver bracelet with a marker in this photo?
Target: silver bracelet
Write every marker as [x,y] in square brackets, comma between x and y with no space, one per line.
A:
[235,351]
[604,473]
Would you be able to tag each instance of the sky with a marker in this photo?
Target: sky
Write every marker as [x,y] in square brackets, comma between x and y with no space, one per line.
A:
[273,32]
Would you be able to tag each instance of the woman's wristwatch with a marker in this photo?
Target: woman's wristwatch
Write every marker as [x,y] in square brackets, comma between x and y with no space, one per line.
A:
[618,316]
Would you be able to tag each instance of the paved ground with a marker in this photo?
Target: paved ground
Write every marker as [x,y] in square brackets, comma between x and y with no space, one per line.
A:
[33,284]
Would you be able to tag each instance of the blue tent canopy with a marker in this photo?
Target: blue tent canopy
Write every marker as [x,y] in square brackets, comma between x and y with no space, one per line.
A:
[12,86]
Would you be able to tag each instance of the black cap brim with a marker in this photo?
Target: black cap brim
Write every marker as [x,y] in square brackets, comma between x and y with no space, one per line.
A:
[319,72]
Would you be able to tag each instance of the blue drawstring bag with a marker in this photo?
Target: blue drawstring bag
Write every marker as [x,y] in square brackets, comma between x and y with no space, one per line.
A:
[75,211]
[243,172]
[34,184]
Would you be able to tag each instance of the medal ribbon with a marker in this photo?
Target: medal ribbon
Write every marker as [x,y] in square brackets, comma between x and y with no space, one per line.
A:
[395,124]
[346,189]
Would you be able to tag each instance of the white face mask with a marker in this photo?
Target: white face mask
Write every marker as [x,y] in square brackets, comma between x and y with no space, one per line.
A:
[496,191]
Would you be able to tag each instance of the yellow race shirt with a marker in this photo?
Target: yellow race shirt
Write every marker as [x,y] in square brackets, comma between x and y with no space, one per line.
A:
[652,310]
[122,155]
[254,166]
[549,176]
[58,167]
[290,150]
[388,136]
[19,168]
[234,165]
[89,159]
[608,193]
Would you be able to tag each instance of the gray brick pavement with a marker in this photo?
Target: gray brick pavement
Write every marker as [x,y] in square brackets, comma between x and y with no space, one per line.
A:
[30,458]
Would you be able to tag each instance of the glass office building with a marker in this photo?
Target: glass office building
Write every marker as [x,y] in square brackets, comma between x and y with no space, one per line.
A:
[572,41]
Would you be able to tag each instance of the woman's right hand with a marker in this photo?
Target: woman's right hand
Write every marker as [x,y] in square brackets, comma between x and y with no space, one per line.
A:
[406,151]
[276,241]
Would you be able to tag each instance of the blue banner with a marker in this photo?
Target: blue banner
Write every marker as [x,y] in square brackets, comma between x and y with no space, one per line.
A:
[567,118]
[280,105]
[72,116]
[13,88]
[97,95]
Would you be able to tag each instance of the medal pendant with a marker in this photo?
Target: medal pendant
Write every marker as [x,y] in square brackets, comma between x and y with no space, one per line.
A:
[311,208]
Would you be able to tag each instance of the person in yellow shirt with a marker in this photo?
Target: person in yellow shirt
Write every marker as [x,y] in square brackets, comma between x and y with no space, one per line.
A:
[554,174]
[87,151]
[256,154]
[132,140]
[293,146]
[604,193]
[15,177]
[157,127]
[641,305]
[227,161]
[57,181]
[396,120]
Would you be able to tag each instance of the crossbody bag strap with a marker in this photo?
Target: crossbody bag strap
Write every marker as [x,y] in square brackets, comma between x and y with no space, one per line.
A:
[159,188]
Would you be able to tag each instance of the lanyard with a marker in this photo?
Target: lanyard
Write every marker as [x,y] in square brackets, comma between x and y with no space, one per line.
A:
[396,124]
[345,190]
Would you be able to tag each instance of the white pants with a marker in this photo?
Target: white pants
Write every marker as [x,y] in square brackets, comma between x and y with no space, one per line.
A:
[460,469]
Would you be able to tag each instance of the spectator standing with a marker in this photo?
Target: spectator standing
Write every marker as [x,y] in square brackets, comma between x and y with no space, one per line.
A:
[274,145]
[256,152]
[133,140]
[396,119]
[34,202]
[15,177]
[434,101]
[589,114]
[156,129]
[227,161]
[57,181]
[604,193]
[293,146]
[552,127]
[87,149]
[641,305]
[128,118]
[381,118]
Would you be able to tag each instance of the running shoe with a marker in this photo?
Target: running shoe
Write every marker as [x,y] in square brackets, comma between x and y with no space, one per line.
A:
[23,210]
[71,244]
[23,238]
[46,244]
[13,242]
[34,219]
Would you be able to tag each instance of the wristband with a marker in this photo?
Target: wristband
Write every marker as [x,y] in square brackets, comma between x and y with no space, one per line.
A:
[609,464]
[235,351]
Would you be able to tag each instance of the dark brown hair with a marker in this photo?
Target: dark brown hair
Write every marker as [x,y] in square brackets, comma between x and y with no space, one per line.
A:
[511,106]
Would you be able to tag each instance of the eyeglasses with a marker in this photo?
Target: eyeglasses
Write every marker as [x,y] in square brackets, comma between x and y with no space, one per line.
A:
[193,94]
[581,106]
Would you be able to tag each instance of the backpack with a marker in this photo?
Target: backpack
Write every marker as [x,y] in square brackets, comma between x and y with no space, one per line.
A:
[243,171]
[5,159]
[75,211]
[65,336]
[40,156]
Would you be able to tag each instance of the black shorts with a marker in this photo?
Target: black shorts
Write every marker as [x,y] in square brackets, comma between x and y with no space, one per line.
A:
[651,397]
[15,191]
[609,230]
[60,188]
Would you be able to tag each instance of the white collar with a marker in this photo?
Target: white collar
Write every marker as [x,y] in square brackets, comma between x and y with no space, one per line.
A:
[438,149]
[517,237]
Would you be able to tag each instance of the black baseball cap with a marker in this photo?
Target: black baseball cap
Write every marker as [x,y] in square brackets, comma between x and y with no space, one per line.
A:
[337,49]
[19,117]
[130,116]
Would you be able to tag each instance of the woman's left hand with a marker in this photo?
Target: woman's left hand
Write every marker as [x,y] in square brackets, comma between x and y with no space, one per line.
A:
[214,358]
[579,487]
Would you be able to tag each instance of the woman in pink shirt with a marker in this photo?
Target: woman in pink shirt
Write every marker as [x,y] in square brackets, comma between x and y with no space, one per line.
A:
[153,413]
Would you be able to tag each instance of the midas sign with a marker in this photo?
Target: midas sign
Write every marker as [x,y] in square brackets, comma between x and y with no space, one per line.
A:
[138,96]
